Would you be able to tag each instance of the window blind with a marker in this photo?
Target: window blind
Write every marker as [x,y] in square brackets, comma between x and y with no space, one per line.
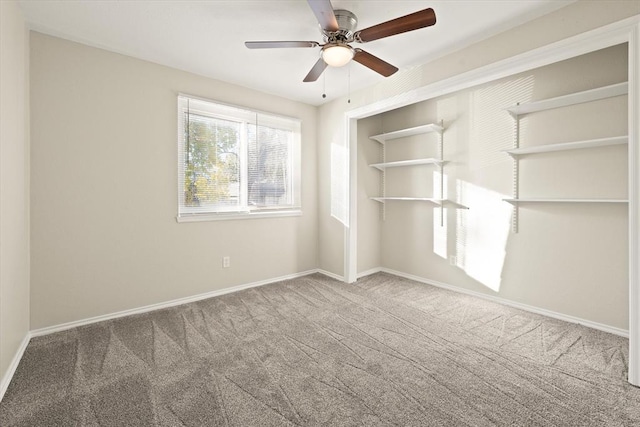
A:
[233,160]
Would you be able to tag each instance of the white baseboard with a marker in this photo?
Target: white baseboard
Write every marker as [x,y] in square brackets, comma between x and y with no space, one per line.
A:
[358,276]
[6,378]
[330,274]
[525,307]
[152,307]
[368,272]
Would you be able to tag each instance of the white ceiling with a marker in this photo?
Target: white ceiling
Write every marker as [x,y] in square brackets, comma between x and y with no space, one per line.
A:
[207,37]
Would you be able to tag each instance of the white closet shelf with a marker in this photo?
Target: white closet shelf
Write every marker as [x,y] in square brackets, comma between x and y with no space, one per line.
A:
[518,201]
[571,99]
[412,162]
[418,130]
[438,202]
[591,143]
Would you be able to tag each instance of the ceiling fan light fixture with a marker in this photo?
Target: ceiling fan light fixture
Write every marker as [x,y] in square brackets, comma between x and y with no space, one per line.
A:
[337,55]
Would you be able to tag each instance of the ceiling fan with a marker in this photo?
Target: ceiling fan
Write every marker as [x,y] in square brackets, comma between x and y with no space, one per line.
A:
[338,30]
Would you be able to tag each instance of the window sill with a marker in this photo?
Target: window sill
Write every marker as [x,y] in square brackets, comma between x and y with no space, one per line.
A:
[237,215]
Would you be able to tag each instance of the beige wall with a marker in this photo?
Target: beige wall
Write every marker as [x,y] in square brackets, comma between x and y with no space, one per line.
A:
[331,142]
[104,189]
[571,20]
[14,199]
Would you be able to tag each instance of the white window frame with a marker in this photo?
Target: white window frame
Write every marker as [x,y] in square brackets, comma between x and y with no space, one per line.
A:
[246,117]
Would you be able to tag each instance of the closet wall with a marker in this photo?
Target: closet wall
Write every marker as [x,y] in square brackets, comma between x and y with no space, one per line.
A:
[570,258]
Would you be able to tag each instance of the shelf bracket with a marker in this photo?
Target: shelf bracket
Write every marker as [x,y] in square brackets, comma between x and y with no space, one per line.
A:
[441,153]
[516,172]
[383,182]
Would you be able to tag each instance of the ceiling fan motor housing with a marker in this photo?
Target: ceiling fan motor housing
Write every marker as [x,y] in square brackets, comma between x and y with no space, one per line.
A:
[347,22]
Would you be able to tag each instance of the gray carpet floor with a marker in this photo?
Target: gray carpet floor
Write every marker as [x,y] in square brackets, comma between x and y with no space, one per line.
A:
[313,351]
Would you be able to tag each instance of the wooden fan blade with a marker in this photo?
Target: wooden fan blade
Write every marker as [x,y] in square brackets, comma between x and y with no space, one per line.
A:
[315,72]
[324,14]
[413,21]
[374,63]
[272,44]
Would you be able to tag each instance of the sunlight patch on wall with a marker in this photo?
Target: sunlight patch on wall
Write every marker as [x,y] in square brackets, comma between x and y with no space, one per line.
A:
[339,184]
[491,127]
[482,234]
[440,232]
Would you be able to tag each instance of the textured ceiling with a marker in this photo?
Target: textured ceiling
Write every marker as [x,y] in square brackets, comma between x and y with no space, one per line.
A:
[207,37]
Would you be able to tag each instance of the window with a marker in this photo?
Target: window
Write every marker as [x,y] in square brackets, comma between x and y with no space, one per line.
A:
[235,163]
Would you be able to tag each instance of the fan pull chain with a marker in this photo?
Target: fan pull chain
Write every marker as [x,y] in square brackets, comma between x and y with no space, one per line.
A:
[349,85]
[324,85]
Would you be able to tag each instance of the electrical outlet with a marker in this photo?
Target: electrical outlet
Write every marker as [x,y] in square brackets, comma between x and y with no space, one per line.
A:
[226,262]
[453,260]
